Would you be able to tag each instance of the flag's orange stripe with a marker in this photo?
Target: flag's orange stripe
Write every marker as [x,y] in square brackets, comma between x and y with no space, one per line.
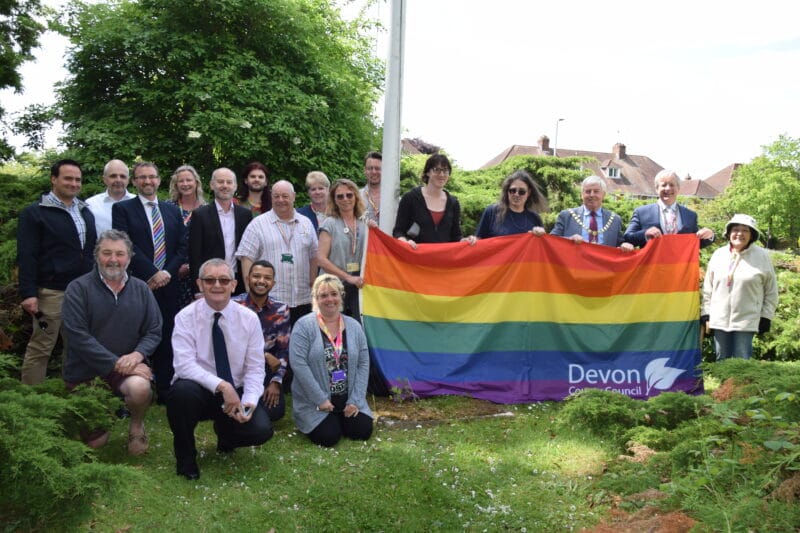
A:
[526,248]
[383,271]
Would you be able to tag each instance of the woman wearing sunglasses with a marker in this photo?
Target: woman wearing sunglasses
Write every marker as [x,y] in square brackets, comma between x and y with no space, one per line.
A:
[429,213]
[341,241]
[517,209]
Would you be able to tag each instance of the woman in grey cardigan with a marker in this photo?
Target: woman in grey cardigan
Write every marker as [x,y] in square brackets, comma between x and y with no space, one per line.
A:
[329,357]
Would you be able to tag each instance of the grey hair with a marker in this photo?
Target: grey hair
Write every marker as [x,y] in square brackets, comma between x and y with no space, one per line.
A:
[107,165]
[113,235]
[592,180]
[215,262]
[666,174]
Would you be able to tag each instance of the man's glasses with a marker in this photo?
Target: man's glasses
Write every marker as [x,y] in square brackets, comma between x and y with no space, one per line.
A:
[520,192]
[224,282]
[373,169]
[42,323]
[444,171]
[342,196]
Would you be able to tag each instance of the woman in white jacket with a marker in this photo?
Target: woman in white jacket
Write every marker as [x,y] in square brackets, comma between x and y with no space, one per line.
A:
[740,291]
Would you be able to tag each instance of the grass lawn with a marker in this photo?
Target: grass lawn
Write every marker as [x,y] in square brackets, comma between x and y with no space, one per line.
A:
[514,471]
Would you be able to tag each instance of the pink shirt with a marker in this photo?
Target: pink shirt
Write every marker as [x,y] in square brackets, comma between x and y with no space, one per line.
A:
[194,353]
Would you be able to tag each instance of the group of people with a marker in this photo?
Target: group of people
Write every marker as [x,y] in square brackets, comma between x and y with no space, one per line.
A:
[201,299]
[226,305]
[740,292]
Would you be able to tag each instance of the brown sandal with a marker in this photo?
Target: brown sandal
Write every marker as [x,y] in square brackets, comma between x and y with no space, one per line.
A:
[137,444]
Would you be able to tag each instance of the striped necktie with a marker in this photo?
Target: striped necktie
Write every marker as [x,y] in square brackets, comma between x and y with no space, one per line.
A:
[593,227]
[159,246]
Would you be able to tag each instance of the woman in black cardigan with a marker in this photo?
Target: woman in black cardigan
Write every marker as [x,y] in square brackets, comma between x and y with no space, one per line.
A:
[428,213]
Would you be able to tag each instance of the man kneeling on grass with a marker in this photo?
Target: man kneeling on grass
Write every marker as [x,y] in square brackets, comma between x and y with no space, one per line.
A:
[112,324]
[219,371]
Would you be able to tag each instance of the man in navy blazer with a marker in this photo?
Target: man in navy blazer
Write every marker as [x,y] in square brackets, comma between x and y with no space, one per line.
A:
[134,217]
[665,216]
[576,223]
[217,227]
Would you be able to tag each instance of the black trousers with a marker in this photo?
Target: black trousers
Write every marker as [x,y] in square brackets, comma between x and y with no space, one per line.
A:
[188,403]
[335,425]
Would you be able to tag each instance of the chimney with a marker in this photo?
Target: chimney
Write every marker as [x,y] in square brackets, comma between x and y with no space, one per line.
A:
[619,151]
[544,144]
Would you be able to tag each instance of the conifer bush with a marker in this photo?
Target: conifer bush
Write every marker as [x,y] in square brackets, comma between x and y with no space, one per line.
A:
[45,470]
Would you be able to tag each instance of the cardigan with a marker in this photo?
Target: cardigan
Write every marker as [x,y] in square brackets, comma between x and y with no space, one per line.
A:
[412,209]
[310,385]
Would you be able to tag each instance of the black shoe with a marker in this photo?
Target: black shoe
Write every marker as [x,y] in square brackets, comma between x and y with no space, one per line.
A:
[190,472]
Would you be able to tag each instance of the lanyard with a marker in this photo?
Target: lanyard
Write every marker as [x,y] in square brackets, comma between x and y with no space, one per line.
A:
[336,342]
[287,242]
[734,262]
[352,235]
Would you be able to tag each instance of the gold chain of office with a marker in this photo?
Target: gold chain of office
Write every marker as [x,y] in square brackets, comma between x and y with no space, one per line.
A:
[592,232]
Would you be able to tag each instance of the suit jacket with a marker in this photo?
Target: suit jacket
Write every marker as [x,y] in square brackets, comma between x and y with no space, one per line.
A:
[567,226]
[205,236]
[647,216]
[130,217]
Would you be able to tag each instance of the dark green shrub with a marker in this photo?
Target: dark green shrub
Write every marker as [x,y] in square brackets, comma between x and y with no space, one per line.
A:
[606,414]
[669,409]
[43,471]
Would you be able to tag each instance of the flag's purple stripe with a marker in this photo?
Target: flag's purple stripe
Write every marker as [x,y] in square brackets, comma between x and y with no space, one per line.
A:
[530,391]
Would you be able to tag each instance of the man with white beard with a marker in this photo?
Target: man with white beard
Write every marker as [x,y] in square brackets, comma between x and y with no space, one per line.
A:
[112,324]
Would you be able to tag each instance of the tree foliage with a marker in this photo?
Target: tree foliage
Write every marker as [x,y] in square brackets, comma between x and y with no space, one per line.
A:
[19,35]
[768,188]
[219,82]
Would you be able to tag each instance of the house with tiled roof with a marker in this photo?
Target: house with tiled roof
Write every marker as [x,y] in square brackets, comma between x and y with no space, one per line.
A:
[697,188]
[623,172]
[720,180]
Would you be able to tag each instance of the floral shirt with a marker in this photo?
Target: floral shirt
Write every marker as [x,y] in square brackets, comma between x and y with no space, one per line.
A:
[274,317]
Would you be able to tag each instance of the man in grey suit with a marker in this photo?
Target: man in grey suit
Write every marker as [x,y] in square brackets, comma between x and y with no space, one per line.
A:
[591,222]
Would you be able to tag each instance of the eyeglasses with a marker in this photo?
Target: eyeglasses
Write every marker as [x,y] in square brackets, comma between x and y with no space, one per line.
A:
[372,169]
[42,323]
[342,196]
[520,192]
[212,281]
[445,171]
[149,177]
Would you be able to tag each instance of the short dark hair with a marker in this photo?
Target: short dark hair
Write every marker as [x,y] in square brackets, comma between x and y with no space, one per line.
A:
[262,263]
[432,162]
[56,168]
[373,155]
[142,164]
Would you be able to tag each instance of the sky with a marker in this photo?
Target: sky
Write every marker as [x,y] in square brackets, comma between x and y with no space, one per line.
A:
[694,85]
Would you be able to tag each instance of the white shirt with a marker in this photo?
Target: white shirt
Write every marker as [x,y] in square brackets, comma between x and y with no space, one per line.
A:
[100,205]
[194,351]
[290,247]
[228,225]
[663,208]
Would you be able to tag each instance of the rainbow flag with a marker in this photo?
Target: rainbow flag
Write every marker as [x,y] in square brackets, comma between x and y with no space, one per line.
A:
[523,318]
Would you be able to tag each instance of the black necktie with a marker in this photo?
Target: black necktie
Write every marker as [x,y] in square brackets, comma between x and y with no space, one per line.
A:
[220,351]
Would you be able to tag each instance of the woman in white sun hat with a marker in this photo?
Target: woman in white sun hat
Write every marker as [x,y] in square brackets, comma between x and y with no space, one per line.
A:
[740,291]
